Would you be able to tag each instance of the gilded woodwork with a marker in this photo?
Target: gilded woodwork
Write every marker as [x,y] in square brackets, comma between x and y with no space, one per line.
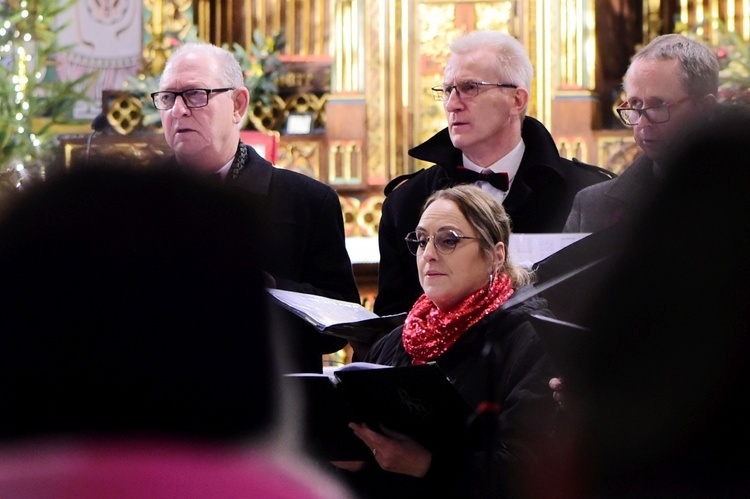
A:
[616,151]
[697,16]
[345,166]
[350,209]
[164,19]
[361,215]
[390,51]
[105,148]
[123,111]
[303,154]
[368,217]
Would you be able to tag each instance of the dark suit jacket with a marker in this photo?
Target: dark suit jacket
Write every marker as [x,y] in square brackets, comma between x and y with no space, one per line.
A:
[539,201]
[602,205]
[302,228]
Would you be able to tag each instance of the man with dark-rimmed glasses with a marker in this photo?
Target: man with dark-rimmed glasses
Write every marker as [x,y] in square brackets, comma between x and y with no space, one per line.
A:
[489,141]
[203,100]
[671,84]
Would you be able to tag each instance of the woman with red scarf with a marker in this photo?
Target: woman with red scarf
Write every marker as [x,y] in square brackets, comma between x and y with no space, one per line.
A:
[492,355]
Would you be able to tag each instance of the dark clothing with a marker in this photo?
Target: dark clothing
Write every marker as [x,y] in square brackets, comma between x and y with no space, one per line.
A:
[538,201]
[522,371]
[664,384]
[302,228]
[599,206]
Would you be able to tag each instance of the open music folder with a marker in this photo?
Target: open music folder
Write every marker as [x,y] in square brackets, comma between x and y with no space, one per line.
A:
[337,317]
[419,401]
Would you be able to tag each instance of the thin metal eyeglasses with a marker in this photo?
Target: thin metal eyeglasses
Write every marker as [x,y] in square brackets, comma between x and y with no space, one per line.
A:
[465,89]
[631,116]
[445,241]
[192,97]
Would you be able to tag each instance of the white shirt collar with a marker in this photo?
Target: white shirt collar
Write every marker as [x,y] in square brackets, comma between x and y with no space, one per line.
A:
[224,170]
[508,164]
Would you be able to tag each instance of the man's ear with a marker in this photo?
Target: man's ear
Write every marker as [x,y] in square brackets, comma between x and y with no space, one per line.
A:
[707,104]
[520,100]
[241,102]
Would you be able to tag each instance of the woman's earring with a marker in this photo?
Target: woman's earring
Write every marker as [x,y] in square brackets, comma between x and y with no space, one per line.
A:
[492,280]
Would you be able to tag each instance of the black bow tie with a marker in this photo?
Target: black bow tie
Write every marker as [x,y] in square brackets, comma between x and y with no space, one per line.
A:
[496,180]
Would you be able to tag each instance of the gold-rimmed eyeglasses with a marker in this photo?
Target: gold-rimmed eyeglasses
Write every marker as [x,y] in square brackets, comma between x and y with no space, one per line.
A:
[192,97]
[631,116]
[445,241]
[465,89]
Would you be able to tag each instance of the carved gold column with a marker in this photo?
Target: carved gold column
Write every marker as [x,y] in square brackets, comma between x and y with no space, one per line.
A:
[347,108]
[734,13]
[574,107]
[386,31]
[165,19]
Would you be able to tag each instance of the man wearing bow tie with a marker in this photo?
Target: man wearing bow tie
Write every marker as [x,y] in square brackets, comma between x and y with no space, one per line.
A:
[489,141]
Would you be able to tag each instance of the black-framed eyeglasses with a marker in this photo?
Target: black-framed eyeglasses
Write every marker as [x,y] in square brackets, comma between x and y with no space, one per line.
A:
[465,89]
[445,241]
[631,116]
[192,97]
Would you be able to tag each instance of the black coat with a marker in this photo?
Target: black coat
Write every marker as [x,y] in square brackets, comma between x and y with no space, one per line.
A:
[538,201]
[522,428]
[602,205]
[304,230]
[303,246]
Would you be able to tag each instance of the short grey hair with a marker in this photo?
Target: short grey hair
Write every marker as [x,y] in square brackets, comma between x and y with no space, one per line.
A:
[700,66]
[512,61]
[231,72]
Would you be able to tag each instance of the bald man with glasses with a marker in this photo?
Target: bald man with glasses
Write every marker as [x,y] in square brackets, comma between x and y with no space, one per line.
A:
[202,100]
[671,84]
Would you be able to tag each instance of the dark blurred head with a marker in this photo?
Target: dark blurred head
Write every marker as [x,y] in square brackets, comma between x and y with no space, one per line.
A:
[130,304]
[667,376]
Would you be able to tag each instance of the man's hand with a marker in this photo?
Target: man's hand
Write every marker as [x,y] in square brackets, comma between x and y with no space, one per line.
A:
[558,391]
[268,280]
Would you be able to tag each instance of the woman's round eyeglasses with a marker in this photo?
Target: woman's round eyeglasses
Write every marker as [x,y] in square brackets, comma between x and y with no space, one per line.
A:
[445,241]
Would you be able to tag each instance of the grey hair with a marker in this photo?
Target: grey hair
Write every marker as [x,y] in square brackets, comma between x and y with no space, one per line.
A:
[231,73]
[700,66]
[511,59]
[490,220]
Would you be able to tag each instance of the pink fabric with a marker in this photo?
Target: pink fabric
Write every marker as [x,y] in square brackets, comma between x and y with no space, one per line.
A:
[130,470]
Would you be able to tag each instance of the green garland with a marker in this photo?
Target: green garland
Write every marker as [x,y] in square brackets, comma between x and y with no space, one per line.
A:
[733,53]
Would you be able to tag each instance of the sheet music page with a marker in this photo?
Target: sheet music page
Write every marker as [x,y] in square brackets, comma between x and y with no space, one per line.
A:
[322,310]
[527,249]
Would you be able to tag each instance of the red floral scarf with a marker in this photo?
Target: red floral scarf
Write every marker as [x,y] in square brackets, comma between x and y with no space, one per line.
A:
[428,332]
